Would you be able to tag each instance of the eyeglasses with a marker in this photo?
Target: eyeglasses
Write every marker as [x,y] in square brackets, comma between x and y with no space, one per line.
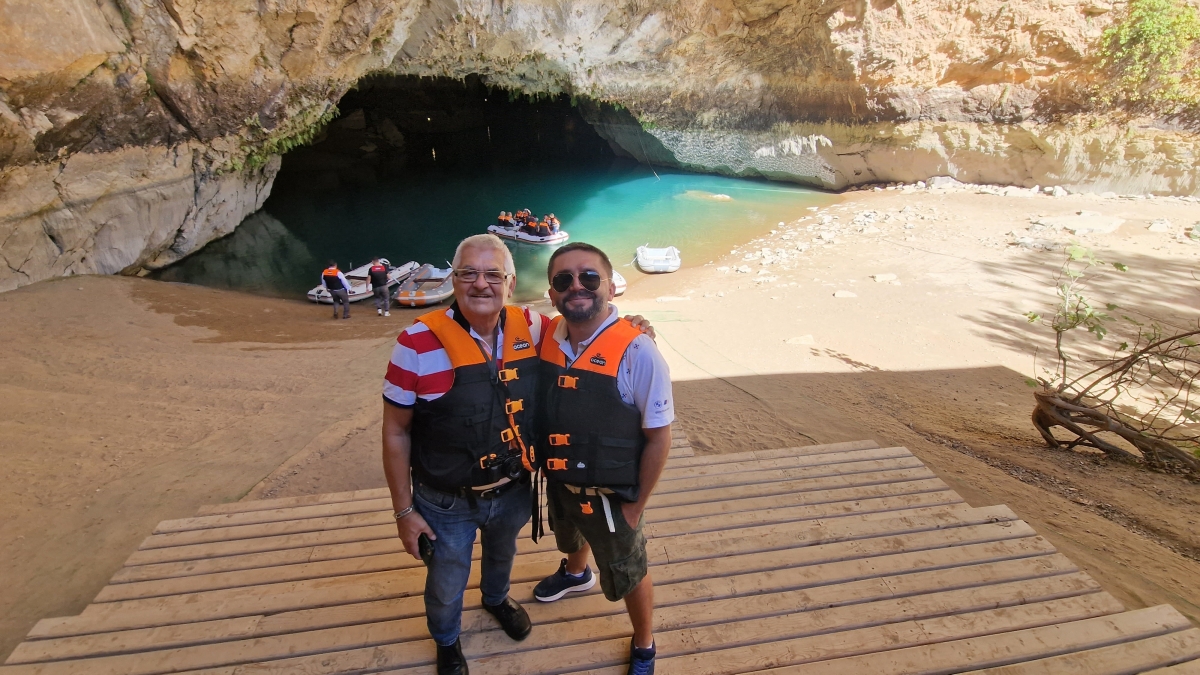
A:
[469,276]
[589,279]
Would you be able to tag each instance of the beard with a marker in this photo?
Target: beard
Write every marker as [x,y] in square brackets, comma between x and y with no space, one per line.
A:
[579,315]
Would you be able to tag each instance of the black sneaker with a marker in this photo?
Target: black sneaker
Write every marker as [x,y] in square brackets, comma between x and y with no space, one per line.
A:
[641,661]
[560,583]
[512,617]
[450,660]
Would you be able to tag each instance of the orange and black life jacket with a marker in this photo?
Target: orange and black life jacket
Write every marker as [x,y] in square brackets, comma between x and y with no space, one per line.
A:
[460,439]
[587,435]
[332,281]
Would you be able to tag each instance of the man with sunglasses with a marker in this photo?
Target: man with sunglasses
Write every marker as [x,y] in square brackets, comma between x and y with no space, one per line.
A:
[459,400]
[604,431]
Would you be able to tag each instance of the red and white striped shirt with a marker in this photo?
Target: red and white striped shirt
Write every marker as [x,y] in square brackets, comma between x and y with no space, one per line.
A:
[420,367]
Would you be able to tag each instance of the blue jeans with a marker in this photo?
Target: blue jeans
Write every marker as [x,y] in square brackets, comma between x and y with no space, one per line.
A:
[451,518]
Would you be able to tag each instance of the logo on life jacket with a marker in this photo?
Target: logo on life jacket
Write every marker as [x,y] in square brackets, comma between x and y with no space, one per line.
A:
[598,360]
[521,344]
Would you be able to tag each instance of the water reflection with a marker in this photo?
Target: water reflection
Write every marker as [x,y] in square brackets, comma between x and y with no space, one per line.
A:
[422,216]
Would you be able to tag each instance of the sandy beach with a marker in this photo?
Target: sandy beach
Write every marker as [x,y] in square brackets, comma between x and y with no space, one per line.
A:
[893,315]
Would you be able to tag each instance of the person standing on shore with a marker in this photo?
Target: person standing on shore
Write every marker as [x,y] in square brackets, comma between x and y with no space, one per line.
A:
[378,275]
[457,398]
[339,288]
[604,432]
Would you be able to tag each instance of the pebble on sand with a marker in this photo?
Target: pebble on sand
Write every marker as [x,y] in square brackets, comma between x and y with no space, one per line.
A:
[845,294]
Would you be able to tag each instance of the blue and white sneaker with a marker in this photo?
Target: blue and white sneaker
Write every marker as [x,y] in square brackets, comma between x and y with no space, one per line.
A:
[560,583]
[641,661]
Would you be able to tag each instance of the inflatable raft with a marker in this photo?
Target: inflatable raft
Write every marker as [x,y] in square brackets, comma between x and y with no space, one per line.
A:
[429,285]
[360,286]
[658,260]
[517,234]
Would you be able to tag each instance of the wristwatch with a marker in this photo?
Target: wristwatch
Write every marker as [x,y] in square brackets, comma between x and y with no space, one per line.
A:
[404,512]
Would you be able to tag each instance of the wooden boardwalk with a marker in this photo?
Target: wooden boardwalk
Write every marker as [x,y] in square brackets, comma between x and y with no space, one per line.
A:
[846,558]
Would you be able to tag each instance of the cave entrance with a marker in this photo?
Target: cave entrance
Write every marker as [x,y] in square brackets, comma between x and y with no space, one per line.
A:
[392,127]
[412,166]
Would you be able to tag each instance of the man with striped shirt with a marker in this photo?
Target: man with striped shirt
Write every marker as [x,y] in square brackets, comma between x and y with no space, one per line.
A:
[444,445]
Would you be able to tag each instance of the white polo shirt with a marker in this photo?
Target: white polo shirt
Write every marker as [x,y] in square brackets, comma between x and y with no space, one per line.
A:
[643,377]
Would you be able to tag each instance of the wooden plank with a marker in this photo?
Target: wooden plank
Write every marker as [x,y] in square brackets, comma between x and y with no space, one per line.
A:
[852,593]
[737,648]
[729,577]
[385,531]
[673,548]
[677,451]
[703,489]
[1189,668]
[726,457]
[1121,659]
[930,503]
[672,473]
[1010,646]
[772,618]
[747,472]
[788,487]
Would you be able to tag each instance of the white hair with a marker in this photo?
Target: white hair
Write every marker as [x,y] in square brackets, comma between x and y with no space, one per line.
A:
[485,242]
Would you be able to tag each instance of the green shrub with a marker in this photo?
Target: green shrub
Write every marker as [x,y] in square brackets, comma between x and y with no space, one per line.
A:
[1150,54]
[293,133]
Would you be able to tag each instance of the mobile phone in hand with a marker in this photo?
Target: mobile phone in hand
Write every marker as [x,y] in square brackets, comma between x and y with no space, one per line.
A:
[425,548]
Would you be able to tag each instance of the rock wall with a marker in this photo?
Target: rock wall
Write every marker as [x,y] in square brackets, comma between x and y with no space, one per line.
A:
[134,131]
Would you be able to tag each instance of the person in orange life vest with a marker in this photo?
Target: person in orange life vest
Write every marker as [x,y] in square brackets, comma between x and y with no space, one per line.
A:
[554,224]
[543,228]
[378,276]
[604,431]
[339,288]
[502,219]
[448,479]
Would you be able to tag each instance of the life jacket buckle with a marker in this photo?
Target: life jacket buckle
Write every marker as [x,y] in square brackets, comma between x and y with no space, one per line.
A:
[485,459]
[507,435]
[560,439]
[507,374]
[586,507]
[512,407]
[568,382]
[556,464]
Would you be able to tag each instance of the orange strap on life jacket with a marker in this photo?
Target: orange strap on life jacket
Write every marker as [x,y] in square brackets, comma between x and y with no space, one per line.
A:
[603,356]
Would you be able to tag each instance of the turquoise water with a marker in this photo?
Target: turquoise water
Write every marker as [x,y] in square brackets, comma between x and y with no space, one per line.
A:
[615,207]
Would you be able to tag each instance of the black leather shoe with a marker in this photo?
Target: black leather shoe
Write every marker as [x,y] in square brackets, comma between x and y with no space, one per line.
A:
[512,617]
[451,660]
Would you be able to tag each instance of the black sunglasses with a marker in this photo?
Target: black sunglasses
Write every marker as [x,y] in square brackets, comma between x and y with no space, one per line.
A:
[589,279]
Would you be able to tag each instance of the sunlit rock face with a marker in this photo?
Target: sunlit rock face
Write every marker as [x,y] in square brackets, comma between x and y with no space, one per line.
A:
[133,132]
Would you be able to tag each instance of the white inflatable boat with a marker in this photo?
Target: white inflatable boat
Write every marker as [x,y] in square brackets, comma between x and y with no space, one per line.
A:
[658,260]
[360,286]
[429,285]
[516,234]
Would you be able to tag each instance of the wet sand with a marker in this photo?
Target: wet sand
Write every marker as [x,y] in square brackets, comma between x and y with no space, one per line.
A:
[124,401]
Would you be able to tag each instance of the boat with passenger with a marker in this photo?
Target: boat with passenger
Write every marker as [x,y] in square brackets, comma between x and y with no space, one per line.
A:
[360,286]
[427,286]
[524,227]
